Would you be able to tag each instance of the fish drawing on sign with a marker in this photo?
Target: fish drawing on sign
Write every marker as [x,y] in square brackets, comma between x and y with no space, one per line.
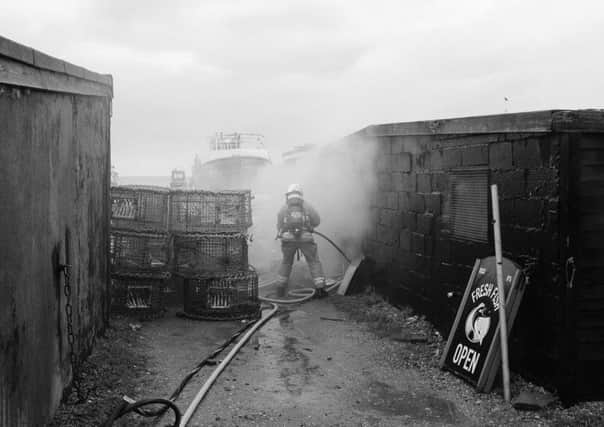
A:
[478,323]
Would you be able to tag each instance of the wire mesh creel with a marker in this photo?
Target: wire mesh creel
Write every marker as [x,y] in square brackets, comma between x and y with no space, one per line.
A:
[143,208]
[135,251]
[199,253]
[222,296]
[210,212]
[138,294]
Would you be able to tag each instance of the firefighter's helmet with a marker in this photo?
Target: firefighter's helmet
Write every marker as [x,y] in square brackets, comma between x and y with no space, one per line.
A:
[294,191]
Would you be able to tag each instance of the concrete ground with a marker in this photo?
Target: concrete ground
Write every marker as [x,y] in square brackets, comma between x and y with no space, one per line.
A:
[300,369]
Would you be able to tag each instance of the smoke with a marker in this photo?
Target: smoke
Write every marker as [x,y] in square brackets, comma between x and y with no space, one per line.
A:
[338,180]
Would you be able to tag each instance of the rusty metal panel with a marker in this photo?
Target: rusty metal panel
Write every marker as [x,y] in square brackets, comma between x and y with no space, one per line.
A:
[470,205]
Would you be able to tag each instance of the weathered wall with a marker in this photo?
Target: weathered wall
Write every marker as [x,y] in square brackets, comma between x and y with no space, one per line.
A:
[413,237]
[421,256]
[54,188]
[586,295]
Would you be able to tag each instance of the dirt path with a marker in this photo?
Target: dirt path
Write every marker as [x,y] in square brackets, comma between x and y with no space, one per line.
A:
[298,370]
[333,362]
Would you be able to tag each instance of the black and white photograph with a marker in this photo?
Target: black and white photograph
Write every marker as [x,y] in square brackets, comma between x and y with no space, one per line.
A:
[301,213]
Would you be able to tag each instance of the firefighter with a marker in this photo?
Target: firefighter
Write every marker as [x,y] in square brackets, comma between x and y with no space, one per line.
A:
[295,224]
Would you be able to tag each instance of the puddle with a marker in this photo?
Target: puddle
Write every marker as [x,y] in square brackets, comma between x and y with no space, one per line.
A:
[384,398]
[290,316]
[296,371]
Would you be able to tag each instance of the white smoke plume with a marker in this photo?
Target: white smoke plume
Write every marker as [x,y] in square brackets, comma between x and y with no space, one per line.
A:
[338,180]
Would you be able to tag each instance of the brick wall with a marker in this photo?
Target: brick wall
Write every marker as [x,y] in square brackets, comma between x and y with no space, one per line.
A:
[421,259]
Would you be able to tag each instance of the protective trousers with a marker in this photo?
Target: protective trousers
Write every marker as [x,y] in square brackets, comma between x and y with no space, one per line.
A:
[309,250]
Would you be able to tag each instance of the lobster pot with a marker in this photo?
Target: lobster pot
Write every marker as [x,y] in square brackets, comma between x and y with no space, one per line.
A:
[138,293]
[197,253]
[138,251]
[225,296]
[210,212]
[143,208]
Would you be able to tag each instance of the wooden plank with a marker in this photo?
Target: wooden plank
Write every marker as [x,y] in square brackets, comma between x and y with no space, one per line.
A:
[594,141]
[593,240]
[47,62]
[19,74]
[592,273]
[591,188]
[590,351]
[591,324]
[593,221]
[594,335]
[567,349]
[16,51]
[589,306]
[592,203]
[592,173]
[592,156]
[591,258]
[585,121]
[76,71]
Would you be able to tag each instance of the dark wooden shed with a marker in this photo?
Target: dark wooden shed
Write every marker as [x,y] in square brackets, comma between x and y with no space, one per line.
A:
[54,209]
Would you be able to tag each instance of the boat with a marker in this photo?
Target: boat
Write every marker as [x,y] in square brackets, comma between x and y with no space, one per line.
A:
[233,162]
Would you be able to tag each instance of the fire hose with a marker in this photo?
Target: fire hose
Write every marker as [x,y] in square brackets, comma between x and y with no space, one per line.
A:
[300,295]
[303,294]
[128,405]
[210,381]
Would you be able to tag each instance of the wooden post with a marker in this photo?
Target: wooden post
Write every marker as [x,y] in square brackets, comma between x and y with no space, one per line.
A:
[503,328]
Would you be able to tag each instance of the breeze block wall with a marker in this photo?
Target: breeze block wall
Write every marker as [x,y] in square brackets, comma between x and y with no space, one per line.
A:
[431,218]
[54,209]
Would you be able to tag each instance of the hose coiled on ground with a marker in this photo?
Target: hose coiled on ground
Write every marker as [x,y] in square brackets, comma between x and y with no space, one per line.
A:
[126,408]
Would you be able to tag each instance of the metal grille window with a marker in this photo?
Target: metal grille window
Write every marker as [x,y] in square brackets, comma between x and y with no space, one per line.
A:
[470,204]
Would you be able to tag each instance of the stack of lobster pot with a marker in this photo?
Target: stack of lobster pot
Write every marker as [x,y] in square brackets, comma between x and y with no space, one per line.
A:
[210,253]
[139,249]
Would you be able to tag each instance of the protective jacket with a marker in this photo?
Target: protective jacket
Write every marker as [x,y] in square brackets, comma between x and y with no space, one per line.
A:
[295,222]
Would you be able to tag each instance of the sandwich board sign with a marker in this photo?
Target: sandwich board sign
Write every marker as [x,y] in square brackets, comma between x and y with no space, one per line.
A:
[473,348]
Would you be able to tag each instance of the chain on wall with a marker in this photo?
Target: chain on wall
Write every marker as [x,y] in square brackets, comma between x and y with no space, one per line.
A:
[75,368]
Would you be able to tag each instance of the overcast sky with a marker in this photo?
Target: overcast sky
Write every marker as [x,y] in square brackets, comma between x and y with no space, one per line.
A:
[309,70]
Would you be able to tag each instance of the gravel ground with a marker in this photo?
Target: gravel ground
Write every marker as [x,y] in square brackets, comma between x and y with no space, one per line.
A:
[117,366]
[393,324]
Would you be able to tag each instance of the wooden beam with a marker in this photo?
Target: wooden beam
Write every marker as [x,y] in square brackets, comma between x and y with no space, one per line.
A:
[529,122]
[26,55]
[578,121]
[20,74]
[539,121]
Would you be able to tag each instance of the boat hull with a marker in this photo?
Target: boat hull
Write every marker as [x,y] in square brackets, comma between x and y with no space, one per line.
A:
[232,173]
